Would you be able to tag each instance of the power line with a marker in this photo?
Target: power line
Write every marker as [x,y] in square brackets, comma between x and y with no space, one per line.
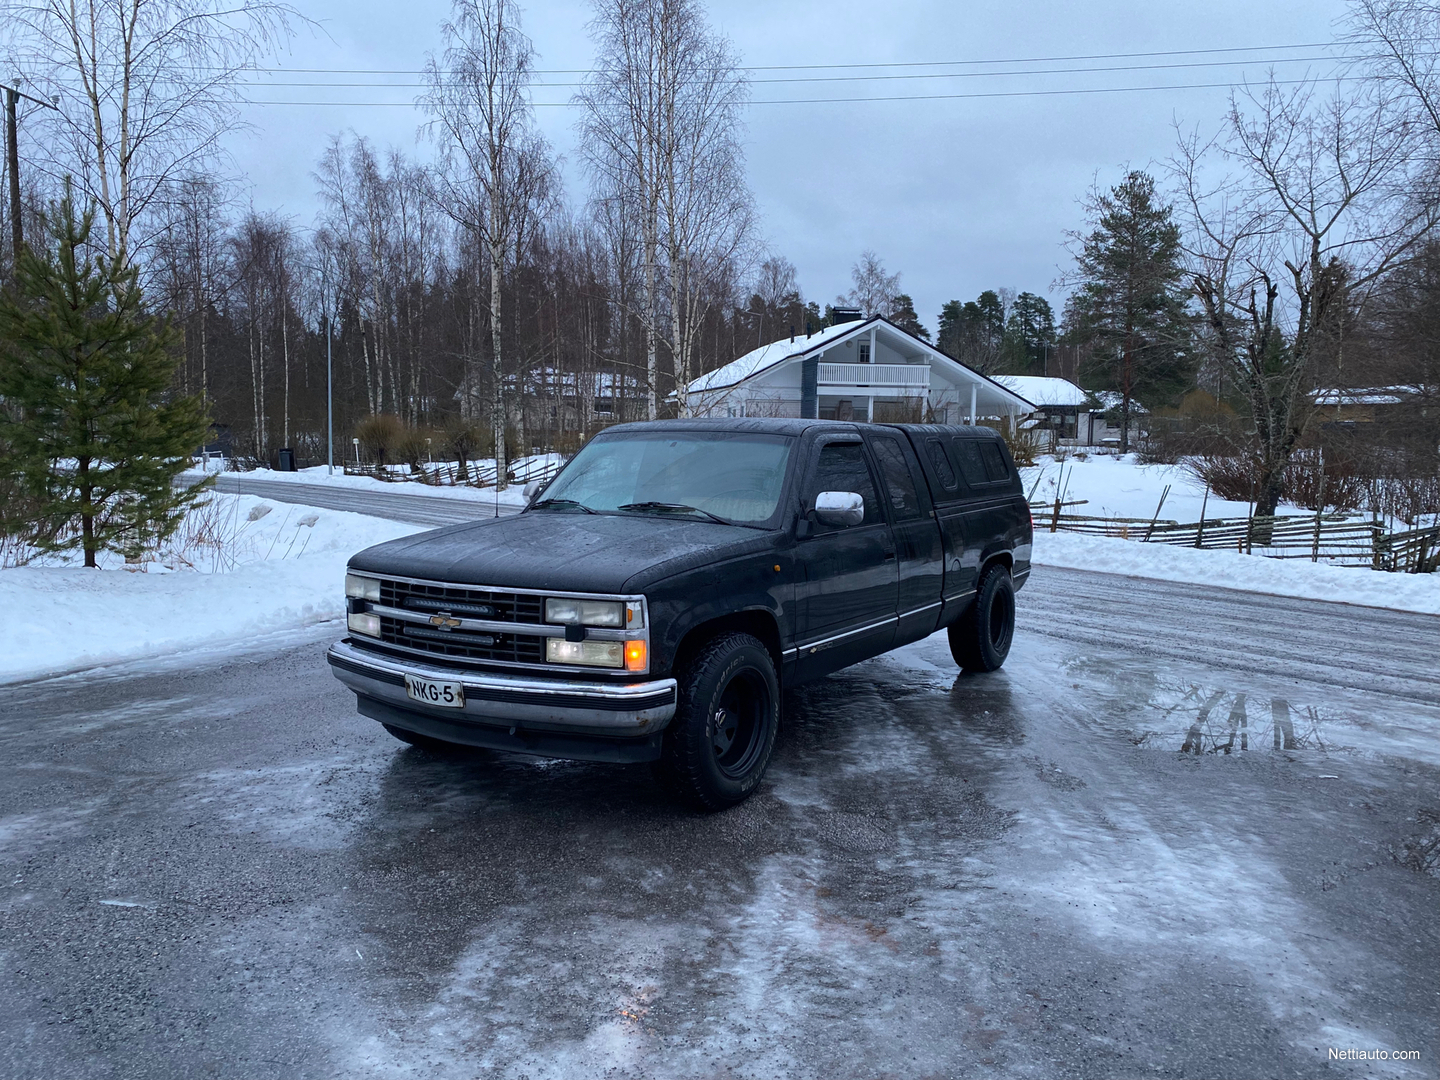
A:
[869,78]
[839,101]
[851,67]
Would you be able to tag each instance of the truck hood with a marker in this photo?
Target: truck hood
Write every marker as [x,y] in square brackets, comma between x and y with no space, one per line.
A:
[567,552]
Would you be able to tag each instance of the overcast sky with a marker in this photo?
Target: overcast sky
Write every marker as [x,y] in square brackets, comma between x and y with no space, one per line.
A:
[957,195]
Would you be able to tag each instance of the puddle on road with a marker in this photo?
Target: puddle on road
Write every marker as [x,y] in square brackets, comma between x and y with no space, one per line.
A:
[1163,711]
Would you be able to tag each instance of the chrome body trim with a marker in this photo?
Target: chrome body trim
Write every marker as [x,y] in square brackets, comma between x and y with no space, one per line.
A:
[614,709]
[489,626]
[385,576]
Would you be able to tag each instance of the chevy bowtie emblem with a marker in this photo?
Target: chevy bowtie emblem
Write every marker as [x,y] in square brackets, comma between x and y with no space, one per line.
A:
[444,620]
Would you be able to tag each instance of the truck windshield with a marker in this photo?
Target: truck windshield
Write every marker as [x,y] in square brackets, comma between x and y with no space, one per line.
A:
[705,474]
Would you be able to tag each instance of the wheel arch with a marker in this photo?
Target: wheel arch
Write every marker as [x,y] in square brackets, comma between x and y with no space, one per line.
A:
[757,622]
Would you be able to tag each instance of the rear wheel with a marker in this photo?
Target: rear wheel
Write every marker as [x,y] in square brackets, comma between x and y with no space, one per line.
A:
[980,639]
[718,745]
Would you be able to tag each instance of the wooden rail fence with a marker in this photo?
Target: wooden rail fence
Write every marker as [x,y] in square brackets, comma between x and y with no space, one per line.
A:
[1340,539]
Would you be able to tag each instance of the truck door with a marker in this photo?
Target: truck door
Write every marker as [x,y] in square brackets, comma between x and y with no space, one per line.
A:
[920,552]
[847,602]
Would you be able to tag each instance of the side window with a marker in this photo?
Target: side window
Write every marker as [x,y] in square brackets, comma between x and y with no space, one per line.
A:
[967,454]
[941,464]
[995,466]
[895,474]
[842,467]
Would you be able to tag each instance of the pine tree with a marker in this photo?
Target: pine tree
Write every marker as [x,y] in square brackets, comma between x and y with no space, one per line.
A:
[1130,303]
[973,332]
[902,314]
[95,438]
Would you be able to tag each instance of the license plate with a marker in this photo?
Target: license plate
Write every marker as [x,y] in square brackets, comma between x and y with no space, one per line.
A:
[446,695]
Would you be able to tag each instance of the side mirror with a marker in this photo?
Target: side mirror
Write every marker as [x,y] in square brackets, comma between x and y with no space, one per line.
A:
[840,508]
[531,490]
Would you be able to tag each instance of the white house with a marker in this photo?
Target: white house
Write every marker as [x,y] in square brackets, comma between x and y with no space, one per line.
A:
[863,369]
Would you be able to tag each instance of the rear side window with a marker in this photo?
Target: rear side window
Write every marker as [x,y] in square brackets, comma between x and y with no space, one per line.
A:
[967,455]
[896,476]
[842,467]
[995,467]
[941,464]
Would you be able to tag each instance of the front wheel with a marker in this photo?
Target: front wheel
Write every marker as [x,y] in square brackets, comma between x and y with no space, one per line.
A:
[438,747]
[980,639]
[718,745]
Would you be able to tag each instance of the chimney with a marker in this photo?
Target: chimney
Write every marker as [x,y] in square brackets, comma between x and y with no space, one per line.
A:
[807,329]
[792,333]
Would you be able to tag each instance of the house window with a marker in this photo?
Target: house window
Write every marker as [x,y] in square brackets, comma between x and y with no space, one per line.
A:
[864,352]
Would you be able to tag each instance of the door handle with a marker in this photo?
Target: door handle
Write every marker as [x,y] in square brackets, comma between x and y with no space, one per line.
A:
[889,557]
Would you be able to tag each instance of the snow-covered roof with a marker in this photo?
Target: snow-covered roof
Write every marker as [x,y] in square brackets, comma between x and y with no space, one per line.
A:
[992,395]
[1368,395]
[1043,390]
[767,356]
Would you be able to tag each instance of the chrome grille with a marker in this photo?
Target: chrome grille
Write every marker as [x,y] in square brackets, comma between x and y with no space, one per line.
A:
[472,603]
[488,604]
[463,644]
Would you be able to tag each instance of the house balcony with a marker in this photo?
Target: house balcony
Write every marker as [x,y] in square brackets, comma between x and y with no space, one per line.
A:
[879,379]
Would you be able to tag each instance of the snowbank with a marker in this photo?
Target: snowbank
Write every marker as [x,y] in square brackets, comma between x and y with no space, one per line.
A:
[512,496]
[1232,570]
[282,570]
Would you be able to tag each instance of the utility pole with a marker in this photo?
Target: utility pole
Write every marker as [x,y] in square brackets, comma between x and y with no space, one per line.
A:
[12,155]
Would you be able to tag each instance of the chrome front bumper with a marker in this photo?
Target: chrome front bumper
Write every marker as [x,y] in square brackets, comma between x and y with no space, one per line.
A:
[610,710]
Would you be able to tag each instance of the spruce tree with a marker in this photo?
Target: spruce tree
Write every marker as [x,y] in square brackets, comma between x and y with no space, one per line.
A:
[1029,335]
[1130,307]
[93,434]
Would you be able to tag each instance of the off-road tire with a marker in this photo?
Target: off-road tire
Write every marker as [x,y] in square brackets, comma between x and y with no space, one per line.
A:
[980,638]
[727,714]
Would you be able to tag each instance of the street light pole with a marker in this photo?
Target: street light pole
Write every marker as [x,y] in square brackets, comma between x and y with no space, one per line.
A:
[329,401]
[12,155]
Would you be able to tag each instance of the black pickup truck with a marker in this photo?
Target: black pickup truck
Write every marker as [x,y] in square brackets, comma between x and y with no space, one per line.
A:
[651,602]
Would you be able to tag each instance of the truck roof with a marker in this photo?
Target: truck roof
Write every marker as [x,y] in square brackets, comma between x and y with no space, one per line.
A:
[792,426]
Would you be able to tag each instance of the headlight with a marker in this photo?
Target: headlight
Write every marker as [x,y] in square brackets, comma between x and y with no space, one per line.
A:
[362,588]
[588,653]
[364,624]
[609,613]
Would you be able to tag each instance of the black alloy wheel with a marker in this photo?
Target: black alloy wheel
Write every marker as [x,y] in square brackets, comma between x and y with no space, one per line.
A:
[980,638]
[718,745]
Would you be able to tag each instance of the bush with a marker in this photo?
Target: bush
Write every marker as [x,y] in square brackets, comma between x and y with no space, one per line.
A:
[380,436]
[415,448]
[463,440]
[1025,444]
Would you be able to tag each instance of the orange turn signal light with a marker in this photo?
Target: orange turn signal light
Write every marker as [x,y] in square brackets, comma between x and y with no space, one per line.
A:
[635,658]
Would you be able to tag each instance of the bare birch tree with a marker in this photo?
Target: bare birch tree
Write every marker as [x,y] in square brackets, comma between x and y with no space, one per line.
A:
[495,168]
[661,135]
[873,290]
[1313,205]
[146,89]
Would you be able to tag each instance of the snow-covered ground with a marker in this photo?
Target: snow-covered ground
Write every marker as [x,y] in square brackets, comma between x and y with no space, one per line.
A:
[1121,487]
[1232,570]
[1112,486]
[281,569]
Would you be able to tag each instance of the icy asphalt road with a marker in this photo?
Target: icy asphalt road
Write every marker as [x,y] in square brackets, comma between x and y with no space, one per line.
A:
[212,867]
[393,505]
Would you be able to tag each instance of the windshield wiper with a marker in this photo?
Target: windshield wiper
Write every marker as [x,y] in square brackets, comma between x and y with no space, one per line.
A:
[558,503]
[677,508]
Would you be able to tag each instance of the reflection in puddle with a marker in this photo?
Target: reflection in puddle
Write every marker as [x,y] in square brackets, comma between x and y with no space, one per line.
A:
[1211,729]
